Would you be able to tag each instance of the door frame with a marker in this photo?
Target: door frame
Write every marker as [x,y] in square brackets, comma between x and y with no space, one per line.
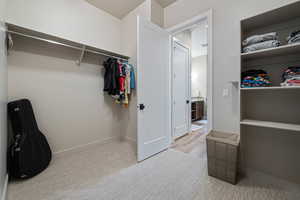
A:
[208,15]
[189,97]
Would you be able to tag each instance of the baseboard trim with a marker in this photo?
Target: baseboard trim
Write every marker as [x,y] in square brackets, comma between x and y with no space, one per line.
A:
[79,148]
[5,188]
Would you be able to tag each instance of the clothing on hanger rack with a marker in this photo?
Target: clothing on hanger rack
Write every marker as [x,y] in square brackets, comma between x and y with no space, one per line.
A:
[119,80]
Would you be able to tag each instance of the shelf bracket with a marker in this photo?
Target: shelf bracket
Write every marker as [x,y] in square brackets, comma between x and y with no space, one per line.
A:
[235,83]
[81,56]
[10,42]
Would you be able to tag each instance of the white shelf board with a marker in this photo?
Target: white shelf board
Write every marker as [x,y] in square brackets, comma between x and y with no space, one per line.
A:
[269,124]
[33,34]
[272,88]
[281,50]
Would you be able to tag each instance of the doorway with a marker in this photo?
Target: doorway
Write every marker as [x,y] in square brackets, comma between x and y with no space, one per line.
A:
[181,89]
[192,119]
[155,85]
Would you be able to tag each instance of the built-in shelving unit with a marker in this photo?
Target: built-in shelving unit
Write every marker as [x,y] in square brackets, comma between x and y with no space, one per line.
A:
[270,116]
[283,21]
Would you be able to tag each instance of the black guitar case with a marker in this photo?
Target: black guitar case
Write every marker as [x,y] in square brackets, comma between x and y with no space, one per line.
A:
[29,154]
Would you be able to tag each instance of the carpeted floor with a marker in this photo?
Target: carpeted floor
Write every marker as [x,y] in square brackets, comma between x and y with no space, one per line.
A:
[75,170]
[174,175]
[170,175]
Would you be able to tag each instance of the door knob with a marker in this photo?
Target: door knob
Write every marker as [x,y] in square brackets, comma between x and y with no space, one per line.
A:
[142,106]
[187,101]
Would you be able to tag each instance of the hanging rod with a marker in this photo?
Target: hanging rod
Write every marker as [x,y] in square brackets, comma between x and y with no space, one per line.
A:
[83,48]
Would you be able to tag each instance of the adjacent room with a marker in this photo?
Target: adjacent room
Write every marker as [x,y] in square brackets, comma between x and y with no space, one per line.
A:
[191,100]
[149,99]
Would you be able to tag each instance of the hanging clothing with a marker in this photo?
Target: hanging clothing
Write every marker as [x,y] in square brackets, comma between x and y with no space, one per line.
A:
[132,78]
[122,77]
[122,83]
[128,79]
[119,80]
[111,76]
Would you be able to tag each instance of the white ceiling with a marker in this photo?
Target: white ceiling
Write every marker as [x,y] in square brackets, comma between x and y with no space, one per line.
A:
[119,8]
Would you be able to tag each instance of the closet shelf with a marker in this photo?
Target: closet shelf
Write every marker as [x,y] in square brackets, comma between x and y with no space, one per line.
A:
[269,124]
[272,88]
[281,50]
[32,34]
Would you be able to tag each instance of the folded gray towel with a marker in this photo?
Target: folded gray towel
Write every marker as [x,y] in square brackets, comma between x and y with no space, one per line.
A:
[259,38]
[261,45]
[294,39]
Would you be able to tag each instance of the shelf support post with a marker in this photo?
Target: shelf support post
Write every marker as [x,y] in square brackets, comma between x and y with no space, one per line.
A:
[81,55]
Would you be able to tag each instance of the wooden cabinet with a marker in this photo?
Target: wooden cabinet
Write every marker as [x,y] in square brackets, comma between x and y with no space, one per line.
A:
[197,110]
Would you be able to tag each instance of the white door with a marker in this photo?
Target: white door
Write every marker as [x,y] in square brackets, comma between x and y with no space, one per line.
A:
[180,90]
[153,91]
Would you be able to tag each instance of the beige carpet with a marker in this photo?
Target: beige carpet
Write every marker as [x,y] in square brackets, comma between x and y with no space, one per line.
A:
[73,171]
[174,175]
[171,175]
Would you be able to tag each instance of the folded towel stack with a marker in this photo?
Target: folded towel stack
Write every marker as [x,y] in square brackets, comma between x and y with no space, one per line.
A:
[294,37]
[291,77]
[258,42]
[255,78]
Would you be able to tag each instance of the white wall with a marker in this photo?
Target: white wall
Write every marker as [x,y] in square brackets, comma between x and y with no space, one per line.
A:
[199,40]
[192,38]
[68,100]
[157,13]
[129,29]
[129,47]
[75,20]
[69,104]
[226,47]
[199,76]
[3,103]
